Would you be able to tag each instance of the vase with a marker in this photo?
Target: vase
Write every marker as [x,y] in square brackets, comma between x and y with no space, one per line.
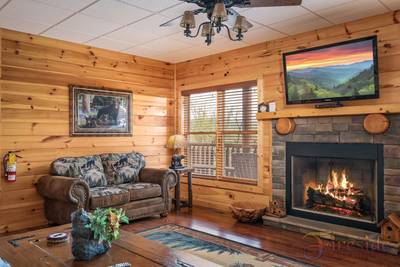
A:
[84,246]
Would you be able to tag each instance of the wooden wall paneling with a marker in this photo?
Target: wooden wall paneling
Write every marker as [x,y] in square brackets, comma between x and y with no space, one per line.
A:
[265,60]
[35,112]
[35,73]
[1,118]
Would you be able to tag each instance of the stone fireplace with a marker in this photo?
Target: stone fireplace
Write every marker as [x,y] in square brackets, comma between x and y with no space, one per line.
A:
[329,169]
[340,183]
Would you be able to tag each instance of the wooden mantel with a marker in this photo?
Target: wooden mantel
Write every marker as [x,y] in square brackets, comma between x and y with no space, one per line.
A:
[340,111]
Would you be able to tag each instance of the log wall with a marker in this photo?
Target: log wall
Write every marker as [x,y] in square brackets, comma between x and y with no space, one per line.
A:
[263,62]
[36,72]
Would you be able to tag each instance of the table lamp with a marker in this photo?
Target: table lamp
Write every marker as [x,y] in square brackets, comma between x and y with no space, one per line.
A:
[175,142]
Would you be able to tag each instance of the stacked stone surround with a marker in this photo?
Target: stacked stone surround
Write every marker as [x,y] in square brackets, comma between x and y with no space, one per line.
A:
[344,129]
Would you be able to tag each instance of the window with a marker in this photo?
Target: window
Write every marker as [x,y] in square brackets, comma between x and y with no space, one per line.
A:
[221,128]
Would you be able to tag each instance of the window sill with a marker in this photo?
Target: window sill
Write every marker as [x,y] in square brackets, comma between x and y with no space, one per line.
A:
[225,183]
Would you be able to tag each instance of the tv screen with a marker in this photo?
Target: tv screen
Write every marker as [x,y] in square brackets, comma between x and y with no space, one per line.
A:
[343,71]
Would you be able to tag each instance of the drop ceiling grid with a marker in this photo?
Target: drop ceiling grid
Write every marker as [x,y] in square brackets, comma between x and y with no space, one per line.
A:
[132,26]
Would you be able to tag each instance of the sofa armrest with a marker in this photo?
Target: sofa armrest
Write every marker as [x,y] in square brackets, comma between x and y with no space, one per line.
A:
[158,176]
[68,189]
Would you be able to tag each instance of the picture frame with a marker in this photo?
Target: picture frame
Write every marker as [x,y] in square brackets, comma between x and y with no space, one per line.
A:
[100,111]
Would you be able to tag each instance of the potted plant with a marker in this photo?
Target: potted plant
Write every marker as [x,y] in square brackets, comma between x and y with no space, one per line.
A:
[93,233]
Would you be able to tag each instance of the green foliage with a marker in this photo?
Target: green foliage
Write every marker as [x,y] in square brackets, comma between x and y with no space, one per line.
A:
[303,89]
[105,223]
[361,84]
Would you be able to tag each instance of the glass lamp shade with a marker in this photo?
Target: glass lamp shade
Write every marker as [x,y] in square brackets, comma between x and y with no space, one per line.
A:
[188,20]
[176,141]
[207,29]
[219,12]
[242,24]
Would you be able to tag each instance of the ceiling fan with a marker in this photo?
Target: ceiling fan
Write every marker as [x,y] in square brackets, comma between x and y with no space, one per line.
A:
[217,12]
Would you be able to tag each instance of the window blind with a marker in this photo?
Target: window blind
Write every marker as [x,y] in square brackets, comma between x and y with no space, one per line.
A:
[221,129]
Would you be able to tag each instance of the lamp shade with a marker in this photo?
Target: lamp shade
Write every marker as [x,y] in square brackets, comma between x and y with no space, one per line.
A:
[176,141]
[241,24]
[219,12]
[188,20]
[207,29]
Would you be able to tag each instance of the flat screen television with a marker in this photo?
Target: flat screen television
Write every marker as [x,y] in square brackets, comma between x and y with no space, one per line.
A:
[332,73]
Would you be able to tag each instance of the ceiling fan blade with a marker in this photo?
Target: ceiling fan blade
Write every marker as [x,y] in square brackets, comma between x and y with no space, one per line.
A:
[268,3]
[169,22]
[197,2]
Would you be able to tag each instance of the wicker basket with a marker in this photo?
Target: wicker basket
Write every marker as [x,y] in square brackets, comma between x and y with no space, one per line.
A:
[247,211]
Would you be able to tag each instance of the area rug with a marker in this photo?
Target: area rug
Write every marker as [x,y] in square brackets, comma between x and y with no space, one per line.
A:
[215,249]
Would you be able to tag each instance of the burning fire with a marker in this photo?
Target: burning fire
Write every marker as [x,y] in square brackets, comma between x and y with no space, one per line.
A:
[337,186]
[337,195]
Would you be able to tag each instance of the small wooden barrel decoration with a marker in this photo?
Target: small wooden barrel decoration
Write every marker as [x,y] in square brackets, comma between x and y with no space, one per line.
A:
[376,123]
[285,126]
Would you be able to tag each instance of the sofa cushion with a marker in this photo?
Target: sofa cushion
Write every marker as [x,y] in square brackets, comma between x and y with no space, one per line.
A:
[140,191]
[101,197]
[88,168]
[122,167]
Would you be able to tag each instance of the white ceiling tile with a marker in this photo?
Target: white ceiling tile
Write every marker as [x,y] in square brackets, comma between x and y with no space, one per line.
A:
[68,35]
[88,25]
[73,5]
[109,44]
[153,5]
[142,51]
[140,19]
[122,13]
[190,41]
[178,56]
[132,34]
[34,11]
[3,2]
[178,10]
[166,45]
[22,25]
[221,43]
[261,34]
[392,4]
[270,15]
[315,5]
[299,24]
[351,11]
[153,23]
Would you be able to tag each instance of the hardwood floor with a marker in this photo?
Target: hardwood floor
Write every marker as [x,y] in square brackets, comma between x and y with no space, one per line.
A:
[282,242]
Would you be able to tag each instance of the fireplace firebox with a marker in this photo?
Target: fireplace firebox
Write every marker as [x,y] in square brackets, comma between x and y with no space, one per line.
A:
[336,183]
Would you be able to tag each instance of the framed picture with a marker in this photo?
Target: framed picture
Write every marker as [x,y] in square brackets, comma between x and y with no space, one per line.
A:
[100,112]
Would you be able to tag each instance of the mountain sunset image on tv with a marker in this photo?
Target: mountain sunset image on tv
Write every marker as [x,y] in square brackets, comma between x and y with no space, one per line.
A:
[344,71]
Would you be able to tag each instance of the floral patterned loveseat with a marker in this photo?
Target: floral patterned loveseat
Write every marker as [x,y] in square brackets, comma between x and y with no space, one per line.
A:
[108,180]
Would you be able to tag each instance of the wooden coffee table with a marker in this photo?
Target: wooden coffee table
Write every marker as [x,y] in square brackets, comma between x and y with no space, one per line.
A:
[31,249]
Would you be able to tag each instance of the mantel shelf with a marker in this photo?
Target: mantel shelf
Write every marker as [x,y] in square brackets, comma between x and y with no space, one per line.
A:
[340,111]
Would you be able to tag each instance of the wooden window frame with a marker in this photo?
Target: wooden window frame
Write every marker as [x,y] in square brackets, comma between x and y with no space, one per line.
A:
[219,180]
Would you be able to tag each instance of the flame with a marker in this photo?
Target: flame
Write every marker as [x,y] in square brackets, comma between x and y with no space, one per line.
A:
[338,188]
[343,183]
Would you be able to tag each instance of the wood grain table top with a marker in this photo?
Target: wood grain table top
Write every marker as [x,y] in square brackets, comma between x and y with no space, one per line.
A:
[31,249]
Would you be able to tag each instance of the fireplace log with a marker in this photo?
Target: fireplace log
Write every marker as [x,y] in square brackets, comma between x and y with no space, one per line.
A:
[358,202]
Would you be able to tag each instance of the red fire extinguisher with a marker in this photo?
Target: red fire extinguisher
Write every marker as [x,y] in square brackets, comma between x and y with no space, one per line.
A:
[10,166]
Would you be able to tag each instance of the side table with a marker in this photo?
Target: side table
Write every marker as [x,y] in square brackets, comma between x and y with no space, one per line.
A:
[178,202]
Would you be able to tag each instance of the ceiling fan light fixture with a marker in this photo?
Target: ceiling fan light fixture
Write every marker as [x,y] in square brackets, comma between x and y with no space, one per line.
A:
[219,13]
[207,30]
[188,20]
[241,24]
